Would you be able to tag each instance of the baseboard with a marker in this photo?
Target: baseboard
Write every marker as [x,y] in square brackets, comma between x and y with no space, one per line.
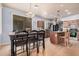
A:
[4,44]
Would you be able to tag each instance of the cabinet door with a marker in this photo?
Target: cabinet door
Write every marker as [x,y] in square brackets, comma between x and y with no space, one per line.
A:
[53,37]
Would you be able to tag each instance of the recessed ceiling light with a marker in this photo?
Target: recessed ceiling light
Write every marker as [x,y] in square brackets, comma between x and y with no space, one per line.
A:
[44,13]
[68,13]
[61,5]
[66,10]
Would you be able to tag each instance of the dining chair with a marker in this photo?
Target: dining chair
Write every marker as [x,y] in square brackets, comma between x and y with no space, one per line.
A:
[32,40]
[20,41]
[41,38]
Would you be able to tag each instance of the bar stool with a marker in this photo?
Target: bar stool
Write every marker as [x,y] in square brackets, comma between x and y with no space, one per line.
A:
[41,37]
[20,41]
[32,39]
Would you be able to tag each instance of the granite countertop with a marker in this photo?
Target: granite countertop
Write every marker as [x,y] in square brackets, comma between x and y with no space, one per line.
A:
[57,31]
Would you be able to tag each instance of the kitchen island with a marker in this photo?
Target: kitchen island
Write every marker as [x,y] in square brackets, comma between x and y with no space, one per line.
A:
[59,37]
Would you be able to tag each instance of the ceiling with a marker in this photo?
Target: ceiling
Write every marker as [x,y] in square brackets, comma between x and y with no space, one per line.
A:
[48,10]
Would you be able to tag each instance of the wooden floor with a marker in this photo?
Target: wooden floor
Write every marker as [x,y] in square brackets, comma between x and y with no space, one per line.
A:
[51,50]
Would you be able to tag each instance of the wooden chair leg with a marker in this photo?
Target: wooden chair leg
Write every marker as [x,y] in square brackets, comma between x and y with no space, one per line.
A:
[27,49]
[37,47]
[15,50]
[43,45]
